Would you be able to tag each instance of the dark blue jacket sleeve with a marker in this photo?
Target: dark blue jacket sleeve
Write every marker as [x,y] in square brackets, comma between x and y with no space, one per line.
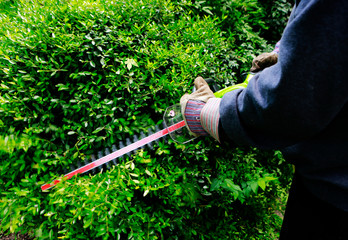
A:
[298,97]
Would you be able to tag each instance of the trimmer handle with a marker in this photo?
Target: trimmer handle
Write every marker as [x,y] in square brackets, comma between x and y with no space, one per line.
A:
[173,114]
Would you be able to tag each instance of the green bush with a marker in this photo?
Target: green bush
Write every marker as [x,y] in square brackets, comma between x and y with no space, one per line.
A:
[79,76]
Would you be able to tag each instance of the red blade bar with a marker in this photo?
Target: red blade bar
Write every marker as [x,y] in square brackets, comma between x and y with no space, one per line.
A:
[117,153]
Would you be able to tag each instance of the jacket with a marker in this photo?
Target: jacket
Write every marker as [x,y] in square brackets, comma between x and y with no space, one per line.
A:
[299,105]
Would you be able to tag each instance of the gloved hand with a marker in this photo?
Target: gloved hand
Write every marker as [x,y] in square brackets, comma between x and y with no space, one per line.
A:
[263,61]
[201,110]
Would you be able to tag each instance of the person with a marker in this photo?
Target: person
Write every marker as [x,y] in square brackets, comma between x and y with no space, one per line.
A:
[298,105]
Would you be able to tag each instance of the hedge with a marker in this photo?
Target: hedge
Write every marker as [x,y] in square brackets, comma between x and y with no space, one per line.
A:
[79,76]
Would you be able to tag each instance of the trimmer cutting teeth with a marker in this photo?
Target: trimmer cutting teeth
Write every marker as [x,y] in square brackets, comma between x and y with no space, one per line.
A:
[106,159]
[174,125]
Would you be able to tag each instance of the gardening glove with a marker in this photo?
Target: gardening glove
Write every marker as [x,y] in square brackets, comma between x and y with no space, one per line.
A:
[263,61]
[201,110]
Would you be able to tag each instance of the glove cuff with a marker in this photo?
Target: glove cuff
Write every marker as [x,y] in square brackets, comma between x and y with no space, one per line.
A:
[193,118]
[210,116]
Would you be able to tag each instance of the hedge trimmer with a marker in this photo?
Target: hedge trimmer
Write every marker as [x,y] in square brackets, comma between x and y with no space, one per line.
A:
[174,126]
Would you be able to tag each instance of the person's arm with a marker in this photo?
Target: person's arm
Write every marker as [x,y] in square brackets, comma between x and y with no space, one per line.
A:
[299,96]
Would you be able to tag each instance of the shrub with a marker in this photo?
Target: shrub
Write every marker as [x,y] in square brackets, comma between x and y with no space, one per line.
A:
[276,15]
[80,76]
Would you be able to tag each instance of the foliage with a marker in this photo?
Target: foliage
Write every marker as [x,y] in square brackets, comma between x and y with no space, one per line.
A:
[277,14]
[79,76]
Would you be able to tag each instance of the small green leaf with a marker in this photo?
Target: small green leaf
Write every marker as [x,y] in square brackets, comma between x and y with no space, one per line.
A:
[102,62]
[262,183]
[148,173]
[229,185]
[254,186]
[215,185]
[98,130]
[146,192]
[87,222]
